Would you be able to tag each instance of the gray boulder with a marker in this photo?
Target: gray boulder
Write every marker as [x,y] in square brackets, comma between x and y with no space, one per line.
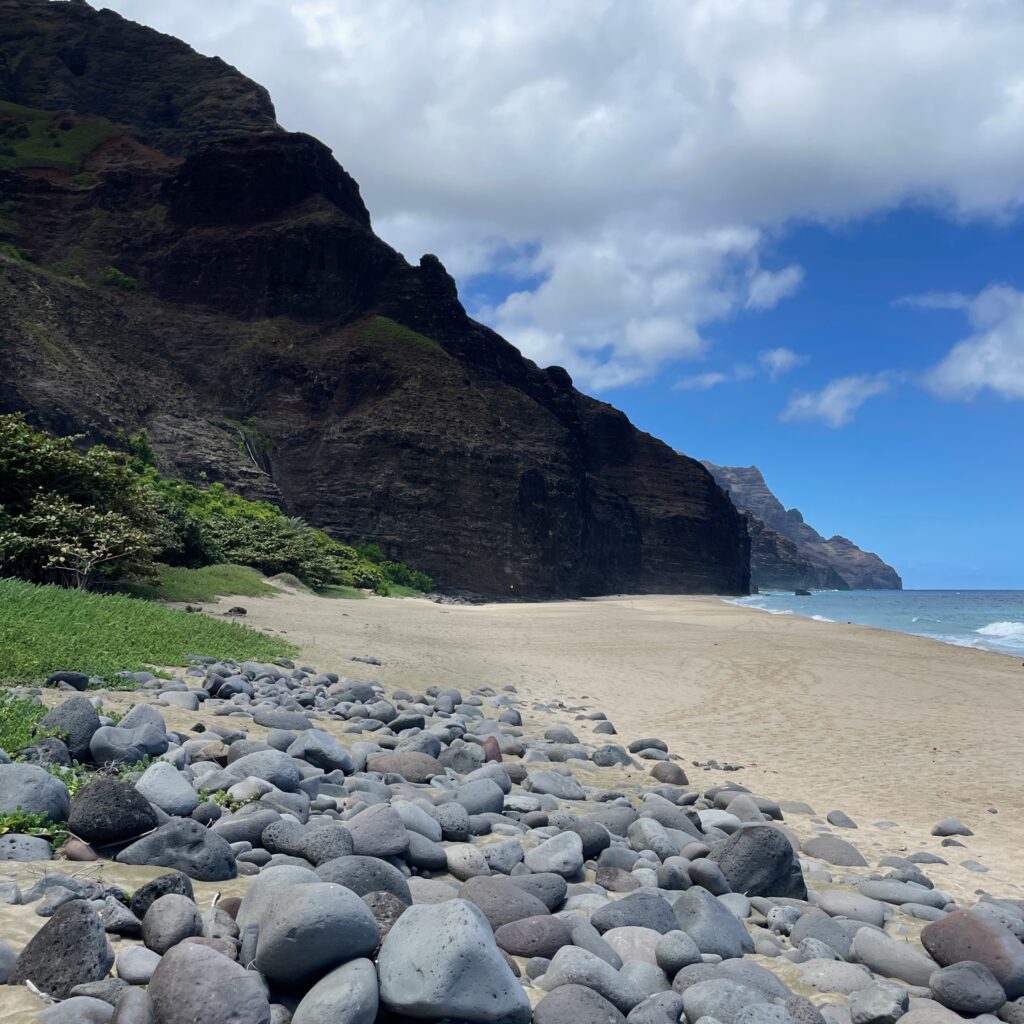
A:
[14,846]
[196,983]
[710,924]
[561,855]
[347,995]
[892,959]
[638,910]
[321,750]
[501,900]
[378,832]
[879,1003]
[265,886]
[967,988]
[34,790]
[186,846]
[661,1008]
[170,919]
[163,785]
[721,999]
[309,929]
[75,720]
[565,787]
[574,966]
[573,1004]
[441,961]
[834,850]
[113,744]
[365,874]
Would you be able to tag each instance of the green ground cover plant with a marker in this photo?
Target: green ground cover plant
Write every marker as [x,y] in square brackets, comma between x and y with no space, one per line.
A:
[45,628]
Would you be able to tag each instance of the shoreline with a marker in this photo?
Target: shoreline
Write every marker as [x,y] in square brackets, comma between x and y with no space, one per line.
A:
[880,724]
[966,645]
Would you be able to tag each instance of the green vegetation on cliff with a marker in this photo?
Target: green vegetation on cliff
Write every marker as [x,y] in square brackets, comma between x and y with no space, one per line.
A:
[78,517]
[43,138]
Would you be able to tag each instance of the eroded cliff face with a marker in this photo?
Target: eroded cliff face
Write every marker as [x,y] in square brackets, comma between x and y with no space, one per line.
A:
[786,549]
[276,344]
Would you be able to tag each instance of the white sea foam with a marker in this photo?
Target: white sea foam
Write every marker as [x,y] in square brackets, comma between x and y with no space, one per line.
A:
[1003,629]
[822,618]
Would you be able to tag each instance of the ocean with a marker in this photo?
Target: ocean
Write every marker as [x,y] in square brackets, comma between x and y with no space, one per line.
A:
[992,620]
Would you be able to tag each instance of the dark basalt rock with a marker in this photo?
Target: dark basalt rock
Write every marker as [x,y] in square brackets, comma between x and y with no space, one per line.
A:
[69,950]
[757,860]
[786,553]
[107,812]
[381,405]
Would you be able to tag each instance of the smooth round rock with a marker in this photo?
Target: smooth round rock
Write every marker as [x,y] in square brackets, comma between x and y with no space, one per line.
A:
[309,929]
[34,790]
[365,874]
[347,995]
[170,919]
[575,1004]
[542,936]
[967,988]
[441,961]
[196,983]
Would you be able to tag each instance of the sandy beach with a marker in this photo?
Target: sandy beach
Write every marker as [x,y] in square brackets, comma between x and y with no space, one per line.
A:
[884,726]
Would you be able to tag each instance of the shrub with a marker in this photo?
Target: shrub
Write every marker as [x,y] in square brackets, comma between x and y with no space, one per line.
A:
[114,278]
[68,516]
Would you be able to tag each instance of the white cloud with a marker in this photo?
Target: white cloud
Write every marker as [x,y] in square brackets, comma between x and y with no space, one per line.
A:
[836,403]
[768,288]
[701,382]
[777,361]
[993,355]
[640,153]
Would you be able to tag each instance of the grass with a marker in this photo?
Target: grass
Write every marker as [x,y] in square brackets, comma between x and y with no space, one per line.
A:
[34,138]
[205,584]
[19,717]
[397,590]
[382,329]
[46,628]
[345,593]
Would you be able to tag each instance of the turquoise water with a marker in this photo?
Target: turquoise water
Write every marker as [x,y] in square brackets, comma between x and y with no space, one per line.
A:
[992,620]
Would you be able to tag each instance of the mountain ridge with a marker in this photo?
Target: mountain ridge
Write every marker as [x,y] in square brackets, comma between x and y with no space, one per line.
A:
[787,552]
[200,272]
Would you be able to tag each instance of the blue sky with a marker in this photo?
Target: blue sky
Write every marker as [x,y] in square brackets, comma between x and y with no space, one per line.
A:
[779,233]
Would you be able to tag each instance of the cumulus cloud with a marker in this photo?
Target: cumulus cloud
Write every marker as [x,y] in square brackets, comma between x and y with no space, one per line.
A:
[625,164]
[836,403]
[777,361]
[992,356]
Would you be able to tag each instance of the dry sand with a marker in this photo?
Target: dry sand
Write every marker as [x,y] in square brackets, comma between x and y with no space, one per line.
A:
[881,725]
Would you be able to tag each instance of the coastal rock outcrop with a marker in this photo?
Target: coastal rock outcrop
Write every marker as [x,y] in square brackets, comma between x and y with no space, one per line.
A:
[787,553]
[170,258]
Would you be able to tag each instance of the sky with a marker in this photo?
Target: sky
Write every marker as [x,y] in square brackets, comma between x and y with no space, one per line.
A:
[782,233]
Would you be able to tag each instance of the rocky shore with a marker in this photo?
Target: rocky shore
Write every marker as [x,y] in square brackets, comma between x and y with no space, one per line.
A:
[316,849]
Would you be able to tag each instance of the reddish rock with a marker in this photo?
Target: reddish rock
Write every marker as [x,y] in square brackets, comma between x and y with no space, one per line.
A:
[75,849]
[962,935]
[492,752]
